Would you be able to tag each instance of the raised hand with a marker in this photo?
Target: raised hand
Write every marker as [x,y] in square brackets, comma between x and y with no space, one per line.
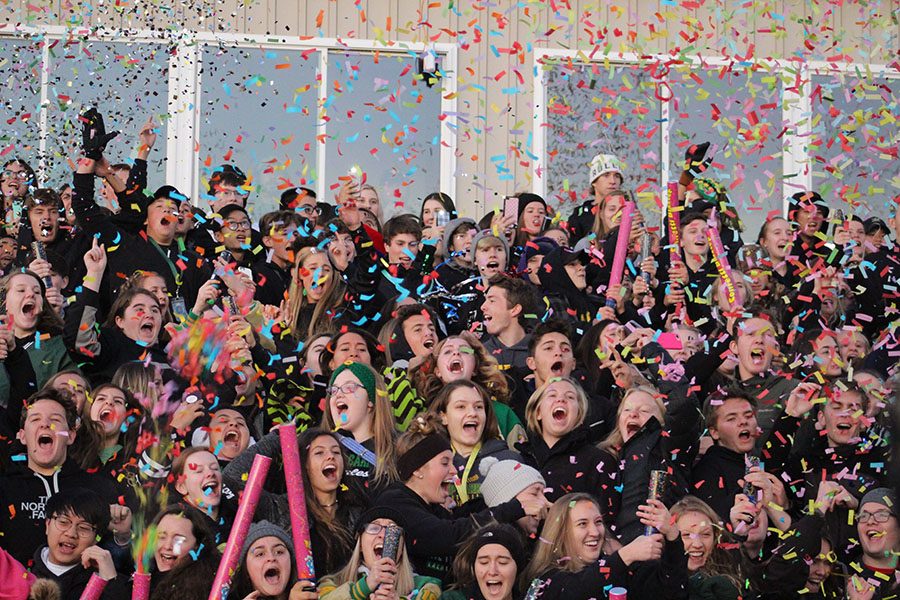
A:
[93,134]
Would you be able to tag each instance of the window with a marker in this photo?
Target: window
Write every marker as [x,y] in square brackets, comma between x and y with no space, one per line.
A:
[127,82]
[259,108]
[381,115]
[771,135]
[739,111]
[593,109]
[854,142]
[20,76]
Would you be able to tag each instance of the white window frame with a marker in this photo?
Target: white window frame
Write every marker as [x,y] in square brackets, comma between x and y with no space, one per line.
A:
[796,109]
[184,90]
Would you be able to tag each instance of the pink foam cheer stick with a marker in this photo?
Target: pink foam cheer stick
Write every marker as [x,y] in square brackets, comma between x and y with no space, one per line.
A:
[618,265]
[720,259]
[246,508]
[140,586]
[293,476]
[94,588]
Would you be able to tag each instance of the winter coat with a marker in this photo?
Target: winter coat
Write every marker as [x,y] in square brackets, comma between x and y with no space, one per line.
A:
[432,533]
[573,464]
[48,357]
[665,579]
[72,582]
[101,350]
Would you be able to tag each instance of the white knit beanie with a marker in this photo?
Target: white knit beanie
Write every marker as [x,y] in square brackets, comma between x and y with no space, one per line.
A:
[504,479]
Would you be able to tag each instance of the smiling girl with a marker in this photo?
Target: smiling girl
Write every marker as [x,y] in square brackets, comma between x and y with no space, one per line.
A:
[575,558]
[488,565]
[198,481]
[370,574]
[131,331]
[333,507]
[558,445]
[653,431]
[464,409]
[267,568]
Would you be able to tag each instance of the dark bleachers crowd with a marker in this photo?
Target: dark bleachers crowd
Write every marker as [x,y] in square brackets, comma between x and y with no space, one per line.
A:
[714,422]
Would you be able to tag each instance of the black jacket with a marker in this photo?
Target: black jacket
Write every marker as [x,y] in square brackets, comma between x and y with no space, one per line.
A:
[183,270]
[665,579]
[99,351]
[573,464]
[24,494]
[715,478]
[432,533]
[72,582]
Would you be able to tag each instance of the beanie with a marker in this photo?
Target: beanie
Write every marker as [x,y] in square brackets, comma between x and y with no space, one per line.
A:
[362,372]
[504,535]
[882,496]
[263,529]
[487,233]
[452,226]
[379,511]
[504,479]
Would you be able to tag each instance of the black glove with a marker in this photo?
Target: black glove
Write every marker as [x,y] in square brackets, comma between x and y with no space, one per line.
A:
[93,134]
[694,161]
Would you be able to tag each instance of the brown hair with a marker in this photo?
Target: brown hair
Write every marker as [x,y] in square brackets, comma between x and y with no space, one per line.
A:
[487,371]
[383,428]
[439,405]
[48,320]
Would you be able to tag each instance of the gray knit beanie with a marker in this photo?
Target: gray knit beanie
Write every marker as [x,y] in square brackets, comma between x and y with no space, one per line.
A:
[882,496]
[487,233]
[265,529]
[504,479]
[451,228]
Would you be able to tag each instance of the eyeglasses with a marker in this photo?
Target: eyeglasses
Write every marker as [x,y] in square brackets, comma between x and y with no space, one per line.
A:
[23,175]
[347,389]
[879,516]
[308,210]
[376,528]
[84,530]
[237,225]
[223,193]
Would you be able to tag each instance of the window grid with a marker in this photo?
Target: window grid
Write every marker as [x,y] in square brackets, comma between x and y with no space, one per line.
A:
[797,158]
[184,91]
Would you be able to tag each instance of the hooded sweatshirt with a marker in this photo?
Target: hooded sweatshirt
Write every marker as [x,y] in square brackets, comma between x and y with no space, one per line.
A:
[566,300]
[24,493]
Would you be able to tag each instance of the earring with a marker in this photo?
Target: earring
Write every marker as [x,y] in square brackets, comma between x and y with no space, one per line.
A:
[420,476]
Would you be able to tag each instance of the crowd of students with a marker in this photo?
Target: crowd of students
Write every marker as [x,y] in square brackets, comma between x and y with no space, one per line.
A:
[530,423]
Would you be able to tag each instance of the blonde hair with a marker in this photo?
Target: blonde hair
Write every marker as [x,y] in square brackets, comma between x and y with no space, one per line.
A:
[531,407]
[383,429]
[614,441]
[718,563]
[552,551]
[298,299]
[599,229]
[403,584]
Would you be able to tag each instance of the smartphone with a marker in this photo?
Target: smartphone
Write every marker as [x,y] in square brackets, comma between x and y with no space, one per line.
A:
[442,218]
[751,462]
[511,208]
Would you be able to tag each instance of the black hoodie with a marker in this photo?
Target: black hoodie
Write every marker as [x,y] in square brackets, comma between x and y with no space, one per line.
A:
[23,495]
[566,300]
